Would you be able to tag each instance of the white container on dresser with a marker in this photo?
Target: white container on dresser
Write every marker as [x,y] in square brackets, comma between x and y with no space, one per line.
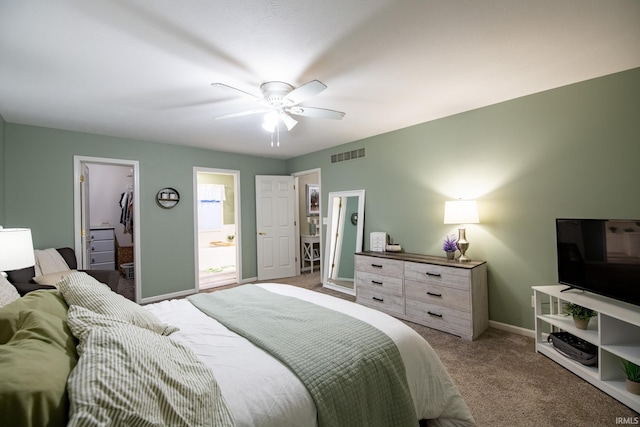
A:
[428,290]
[102,249]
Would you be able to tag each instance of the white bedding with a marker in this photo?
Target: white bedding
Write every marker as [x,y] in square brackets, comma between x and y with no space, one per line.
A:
[260,391]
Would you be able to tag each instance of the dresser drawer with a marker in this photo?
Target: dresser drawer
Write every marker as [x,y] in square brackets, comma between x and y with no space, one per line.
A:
[386,267]
[444,296]
[103,266]
[106,234]
[102,246]
[377,282]
[446,319]
[102,257]
[379,300]
[453,277]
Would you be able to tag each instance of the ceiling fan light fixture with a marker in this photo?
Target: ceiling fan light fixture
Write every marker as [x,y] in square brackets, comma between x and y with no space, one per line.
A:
[270,121]
[280,100]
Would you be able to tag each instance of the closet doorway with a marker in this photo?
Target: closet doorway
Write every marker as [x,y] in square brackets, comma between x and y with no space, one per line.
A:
[217,227]
[106,218]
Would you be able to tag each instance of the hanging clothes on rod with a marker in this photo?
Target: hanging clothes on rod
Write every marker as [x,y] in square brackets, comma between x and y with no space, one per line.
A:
[126,206]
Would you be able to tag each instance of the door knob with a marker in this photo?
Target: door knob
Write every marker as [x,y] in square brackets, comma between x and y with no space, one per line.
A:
[260,233]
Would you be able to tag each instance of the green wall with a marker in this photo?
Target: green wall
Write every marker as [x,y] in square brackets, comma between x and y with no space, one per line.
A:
[568,152]
[2,167]
[39,195]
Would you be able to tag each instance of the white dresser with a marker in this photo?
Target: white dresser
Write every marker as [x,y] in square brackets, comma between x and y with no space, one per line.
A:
[428,290]
[102,249]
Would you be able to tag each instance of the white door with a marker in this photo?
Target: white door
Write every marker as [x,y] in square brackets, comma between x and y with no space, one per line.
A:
[85,218]
[275,226]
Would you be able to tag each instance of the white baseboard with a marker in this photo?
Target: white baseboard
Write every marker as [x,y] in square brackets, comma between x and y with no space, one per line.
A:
[513,329]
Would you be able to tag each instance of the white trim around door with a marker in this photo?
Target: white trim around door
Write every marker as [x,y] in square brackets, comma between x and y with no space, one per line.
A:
[237,214]
[78,165]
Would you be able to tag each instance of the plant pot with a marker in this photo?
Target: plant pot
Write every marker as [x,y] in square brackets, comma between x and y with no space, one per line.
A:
[450,255]
[581,323]
[633,387]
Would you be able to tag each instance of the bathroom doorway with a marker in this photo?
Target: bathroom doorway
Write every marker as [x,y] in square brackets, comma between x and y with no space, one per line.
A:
[217,227]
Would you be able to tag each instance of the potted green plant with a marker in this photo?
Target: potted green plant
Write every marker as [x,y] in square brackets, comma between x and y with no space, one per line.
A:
[450,246]
[632,371]
[581,315]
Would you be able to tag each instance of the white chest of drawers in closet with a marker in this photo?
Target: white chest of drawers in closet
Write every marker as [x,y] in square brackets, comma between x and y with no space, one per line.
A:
[431,291]
[102,249]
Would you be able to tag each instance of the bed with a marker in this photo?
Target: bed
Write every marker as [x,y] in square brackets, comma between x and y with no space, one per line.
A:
[171,363]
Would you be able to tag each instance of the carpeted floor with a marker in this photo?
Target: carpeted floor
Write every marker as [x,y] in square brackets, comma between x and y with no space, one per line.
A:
[505,382]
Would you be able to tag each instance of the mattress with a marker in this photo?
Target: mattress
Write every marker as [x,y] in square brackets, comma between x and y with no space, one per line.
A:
[261,391]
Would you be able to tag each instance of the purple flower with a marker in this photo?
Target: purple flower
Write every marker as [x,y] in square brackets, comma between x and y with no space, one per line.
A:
[449,244]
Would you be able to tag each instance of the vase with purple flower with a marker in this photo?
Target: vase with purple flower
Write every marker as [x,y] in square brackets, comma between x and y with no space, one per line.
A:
[450,246]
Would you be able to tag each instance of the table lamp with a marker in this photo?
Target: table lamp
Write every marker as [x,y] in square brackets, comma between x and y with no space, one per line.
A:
[16,249]
[461,212]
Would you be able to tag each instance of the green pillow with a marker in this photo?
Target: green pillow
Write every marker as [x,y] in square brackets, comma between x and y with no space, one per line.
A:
[48,301]
[34,366]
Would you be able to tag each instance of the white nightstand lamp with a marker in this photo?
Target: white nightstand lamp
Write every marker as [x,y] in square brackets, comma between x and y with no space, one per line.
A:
[16,249]
[461,212]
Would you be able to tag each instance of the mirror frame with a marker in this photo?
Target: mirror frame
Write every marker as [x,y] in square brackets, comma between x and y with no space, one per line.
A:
[328,244]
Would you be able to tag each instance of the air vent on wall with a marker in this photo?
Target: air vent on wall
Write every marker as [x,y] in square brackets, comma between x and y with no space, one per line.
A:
[347,155]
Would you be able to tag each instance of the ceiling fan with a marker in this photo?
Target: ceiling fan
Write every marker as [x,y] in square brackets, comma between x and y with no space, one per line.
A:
[280,100]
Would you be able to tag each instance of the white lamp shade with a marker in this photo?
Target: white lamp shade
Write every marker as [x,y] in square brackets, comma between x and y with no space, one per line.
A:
[461,212]
[16,249]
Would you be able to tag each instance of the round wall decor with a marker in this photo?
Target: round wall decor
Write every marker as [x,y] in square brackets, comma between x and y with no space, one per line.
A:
[167,198]
[354,218]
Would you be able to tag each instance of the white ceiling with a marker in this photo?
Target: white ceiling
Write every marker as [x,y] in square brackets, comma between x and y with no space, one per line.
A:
[142,69]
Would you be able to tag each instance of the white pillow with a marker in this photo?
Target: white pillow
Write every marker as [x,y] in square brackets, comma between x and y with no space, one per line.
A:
[48,261]
[52,279]
[83,290]
[8,292]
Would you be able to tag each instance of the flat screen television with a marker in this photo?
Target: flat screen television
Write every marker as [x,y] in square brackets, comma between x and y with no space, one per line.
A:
[600,256]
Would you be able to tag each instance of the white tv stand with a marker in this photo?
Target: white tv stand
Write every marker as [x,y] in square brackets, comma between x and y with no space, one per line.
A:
[615,331]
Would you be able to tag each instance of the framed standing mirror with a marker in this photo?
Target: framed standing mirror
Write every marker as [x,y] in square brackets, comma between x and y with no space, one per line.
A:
[345,225]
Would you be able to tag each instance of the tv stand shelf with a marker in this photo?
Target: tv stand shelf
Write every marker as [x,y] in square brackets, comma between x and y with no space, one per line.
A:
[615,331]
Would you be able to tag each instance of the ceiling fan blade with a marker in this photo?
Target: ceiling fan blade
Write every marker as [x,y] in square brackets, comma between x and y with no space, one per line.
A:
[243,113]
[305,91]
[288,121]
[250,95]
[321,113]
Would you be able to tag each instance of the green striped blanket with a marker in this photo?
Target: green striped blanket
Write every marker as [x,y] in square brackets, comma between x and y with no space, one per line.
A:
[352,370]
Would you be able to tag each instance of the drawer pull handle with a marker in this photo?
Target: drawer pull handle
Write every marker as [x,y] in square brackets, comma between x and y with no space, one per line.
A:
[434,314]
[378,299]
[434,295]
[376,265]
[434,274]
[375,282]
